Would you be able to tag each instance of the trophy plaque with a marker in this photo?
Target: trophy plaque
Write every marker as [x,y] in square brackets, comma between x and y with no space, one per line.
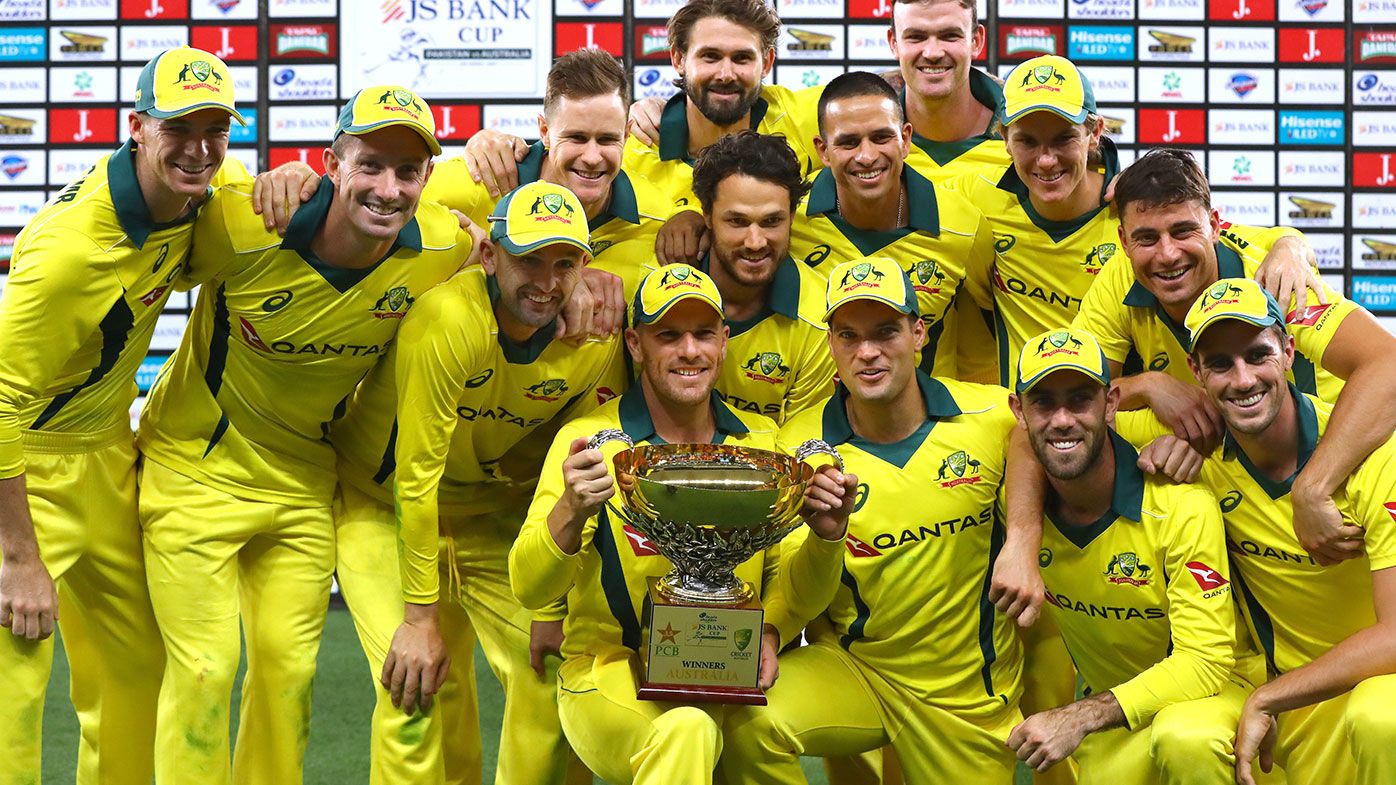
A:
[707,508]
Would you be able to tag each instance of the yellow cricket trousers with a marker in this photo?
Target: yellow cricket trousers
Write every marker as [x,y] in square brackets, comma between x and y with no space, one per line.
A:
[1348,739]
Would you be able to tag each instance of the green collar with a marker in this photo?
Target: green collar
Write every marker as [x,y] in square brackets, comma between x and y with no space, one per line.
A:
[924,214]
[1308,440]
[623,204]
[1229,265]
[1060,230]
[987,92]
[515,352]
[131,210]
[307,222]
[637,423]
[531,167]
[940,404]
[783,296]
[1127,500]
[673,126]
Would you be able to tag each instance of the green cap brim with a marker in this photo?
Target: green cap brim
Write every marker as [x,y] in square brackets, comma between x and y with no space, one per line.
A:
[1076,119]
[1261,322]
[162,115]
[359,130]
[1027,384]
[519,250]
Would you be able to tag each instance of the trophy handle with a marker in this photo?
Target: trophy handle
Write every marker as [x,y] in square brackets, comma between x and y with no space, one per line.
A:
[815,447]
[609,435]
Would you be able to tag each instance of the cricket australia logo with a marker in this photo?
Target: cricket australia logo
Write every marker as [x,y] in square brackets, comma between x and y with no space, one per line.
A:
[405,103]
[1059,342]
[1126,568]
[859,277]
[1099,255]
[927,276]
[766,367]
[393,304]
[549,390]
[958,469]
[201,70]
[1221,293]
[1047,78]
[551,207]
[678,276]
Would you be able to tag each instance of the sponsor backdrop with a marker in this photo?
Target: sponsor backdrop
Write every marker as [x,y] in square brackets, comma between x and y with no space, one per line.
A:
[1291,104]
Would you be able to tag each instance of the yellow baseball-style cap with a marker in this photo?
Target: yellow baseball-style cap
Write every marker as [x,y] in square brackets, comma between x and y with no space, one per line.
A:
[669,285]
[382,106]
[538,214]
[1049,83]
[182,80]
[1232,298]
[875,278]
[1058,350]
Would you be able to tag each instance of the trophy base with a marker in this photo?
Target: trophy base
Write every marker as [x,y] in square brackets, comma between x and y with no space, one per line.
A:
[700,653]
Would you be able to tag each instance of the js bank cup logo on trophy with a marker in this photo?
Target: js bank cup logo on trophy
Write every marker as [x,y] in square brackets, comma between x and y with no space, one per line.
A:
[707,508]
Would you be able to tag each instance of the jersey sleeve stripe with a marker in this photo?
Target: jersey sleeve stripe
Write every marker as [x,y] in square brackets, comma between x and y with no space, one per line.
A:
[860,621]
[1305,375]
[115,328]
[932,347]
[987,611]
[1260,619]
[613,583]
[388,464]
[218,343]
[218,431]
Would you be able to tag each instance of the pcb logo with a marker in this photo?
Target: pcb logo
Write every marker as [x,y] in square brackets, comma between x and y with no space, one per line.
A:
[928,276]
[1221,293]
[1124,567]
[1060,342]
[393,304]
[1099,255]
[549,390]
[958,469]
[766,367]
[859,275]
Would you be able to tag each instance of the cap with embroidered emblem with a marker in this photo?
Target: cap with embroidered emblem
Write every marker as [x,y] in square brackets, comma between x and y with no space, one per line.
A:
[1231,298]
[537,214]
[875,278]
[184,80]
[670,285]
[1048,83]
[1058,350]
[385,106]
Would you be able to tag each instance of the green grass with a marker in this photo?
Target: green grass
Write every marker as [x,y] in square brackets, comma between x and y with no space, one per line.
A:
[338,753]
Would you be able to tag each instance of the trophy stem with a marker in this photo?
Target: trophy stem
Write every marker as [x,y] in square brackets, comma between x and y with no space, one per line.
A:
[697,591]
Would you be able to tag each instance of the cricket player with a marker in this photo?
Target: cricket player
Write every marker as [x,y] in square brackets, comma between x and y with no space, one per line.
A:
[1137,581]
[908,650]
[1328,633]
[238,478]
[476,369]
[572,547]
[867,201]
[90,275]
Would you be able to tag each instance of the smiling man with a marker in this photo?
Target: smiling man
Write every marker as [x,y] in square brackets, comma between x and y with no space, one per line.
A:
[238,477]
[90,275]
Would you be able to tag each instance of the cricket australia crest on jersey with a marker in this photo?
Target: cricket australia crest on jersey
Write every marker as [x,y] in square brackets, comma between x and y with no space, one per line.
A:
[1098,256]
[393,304]
[958,468]
[926,277]
[1126,568]
[549,390]
[766,367]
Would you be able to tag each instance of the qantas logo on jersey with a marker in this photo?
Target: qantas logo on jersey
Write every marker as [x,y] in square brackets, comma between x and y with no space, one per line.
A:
[927,277]
[152,296]
[1115,612]
[1098,256]
[1311,316]
[393,304]
[604,394]
[1035,292]
[549,390]
[887,540]
[965,470]
[1206,577]
[747,405]
[471,414]
[1126,568]
[1251,548]
[766,367]
[249,334]
[859,549]
[639,543]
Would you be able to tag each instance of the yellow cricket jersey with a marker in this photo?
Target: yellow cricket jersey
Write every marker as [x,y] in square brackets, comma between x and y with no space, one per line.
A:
[778,362]
[88,279]
[1297,609]
[1041,268]
[604,583]
[1133,329]
[945,233]
[779,111]
[914,601]
[277,342]
[428,426]
[1142,595]
[622,236]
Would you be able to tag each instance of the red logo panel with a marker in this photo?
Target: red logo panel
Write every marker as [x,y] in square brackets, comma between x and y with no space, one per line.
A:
[870,9]
[312,156]
[859,549]
[639,543]
[1206,577]
[232,44]
[1391,509]
[1020,42]
[651,43]
[1374,46]
[1312,45]
[154,9]
[1241,10]
[1309,317]
[1172,126]
[86,126]
[571,36]
[297,41]
[456,121]
[1374,170]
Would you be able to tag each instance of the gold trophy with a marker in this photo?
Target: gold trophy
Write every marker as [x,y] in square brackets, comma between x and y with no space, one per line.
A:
[707,508]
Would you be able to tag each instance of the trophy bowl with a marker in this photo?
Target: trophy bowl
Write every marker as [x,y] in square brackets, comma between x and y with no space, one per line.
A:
[708,508]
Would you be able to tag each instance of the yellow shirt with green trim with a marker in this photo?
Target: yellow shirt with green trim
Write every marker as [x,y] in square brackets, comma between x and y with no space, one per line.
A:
[1298,610]
[779,111]
[945,233]
[778,362]
[1134,330]
[913,604]
[604,583]
[278,341]
[983,154]
[89,276]
[1041,269]
[1142,595]
[429,425]
[622,236]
